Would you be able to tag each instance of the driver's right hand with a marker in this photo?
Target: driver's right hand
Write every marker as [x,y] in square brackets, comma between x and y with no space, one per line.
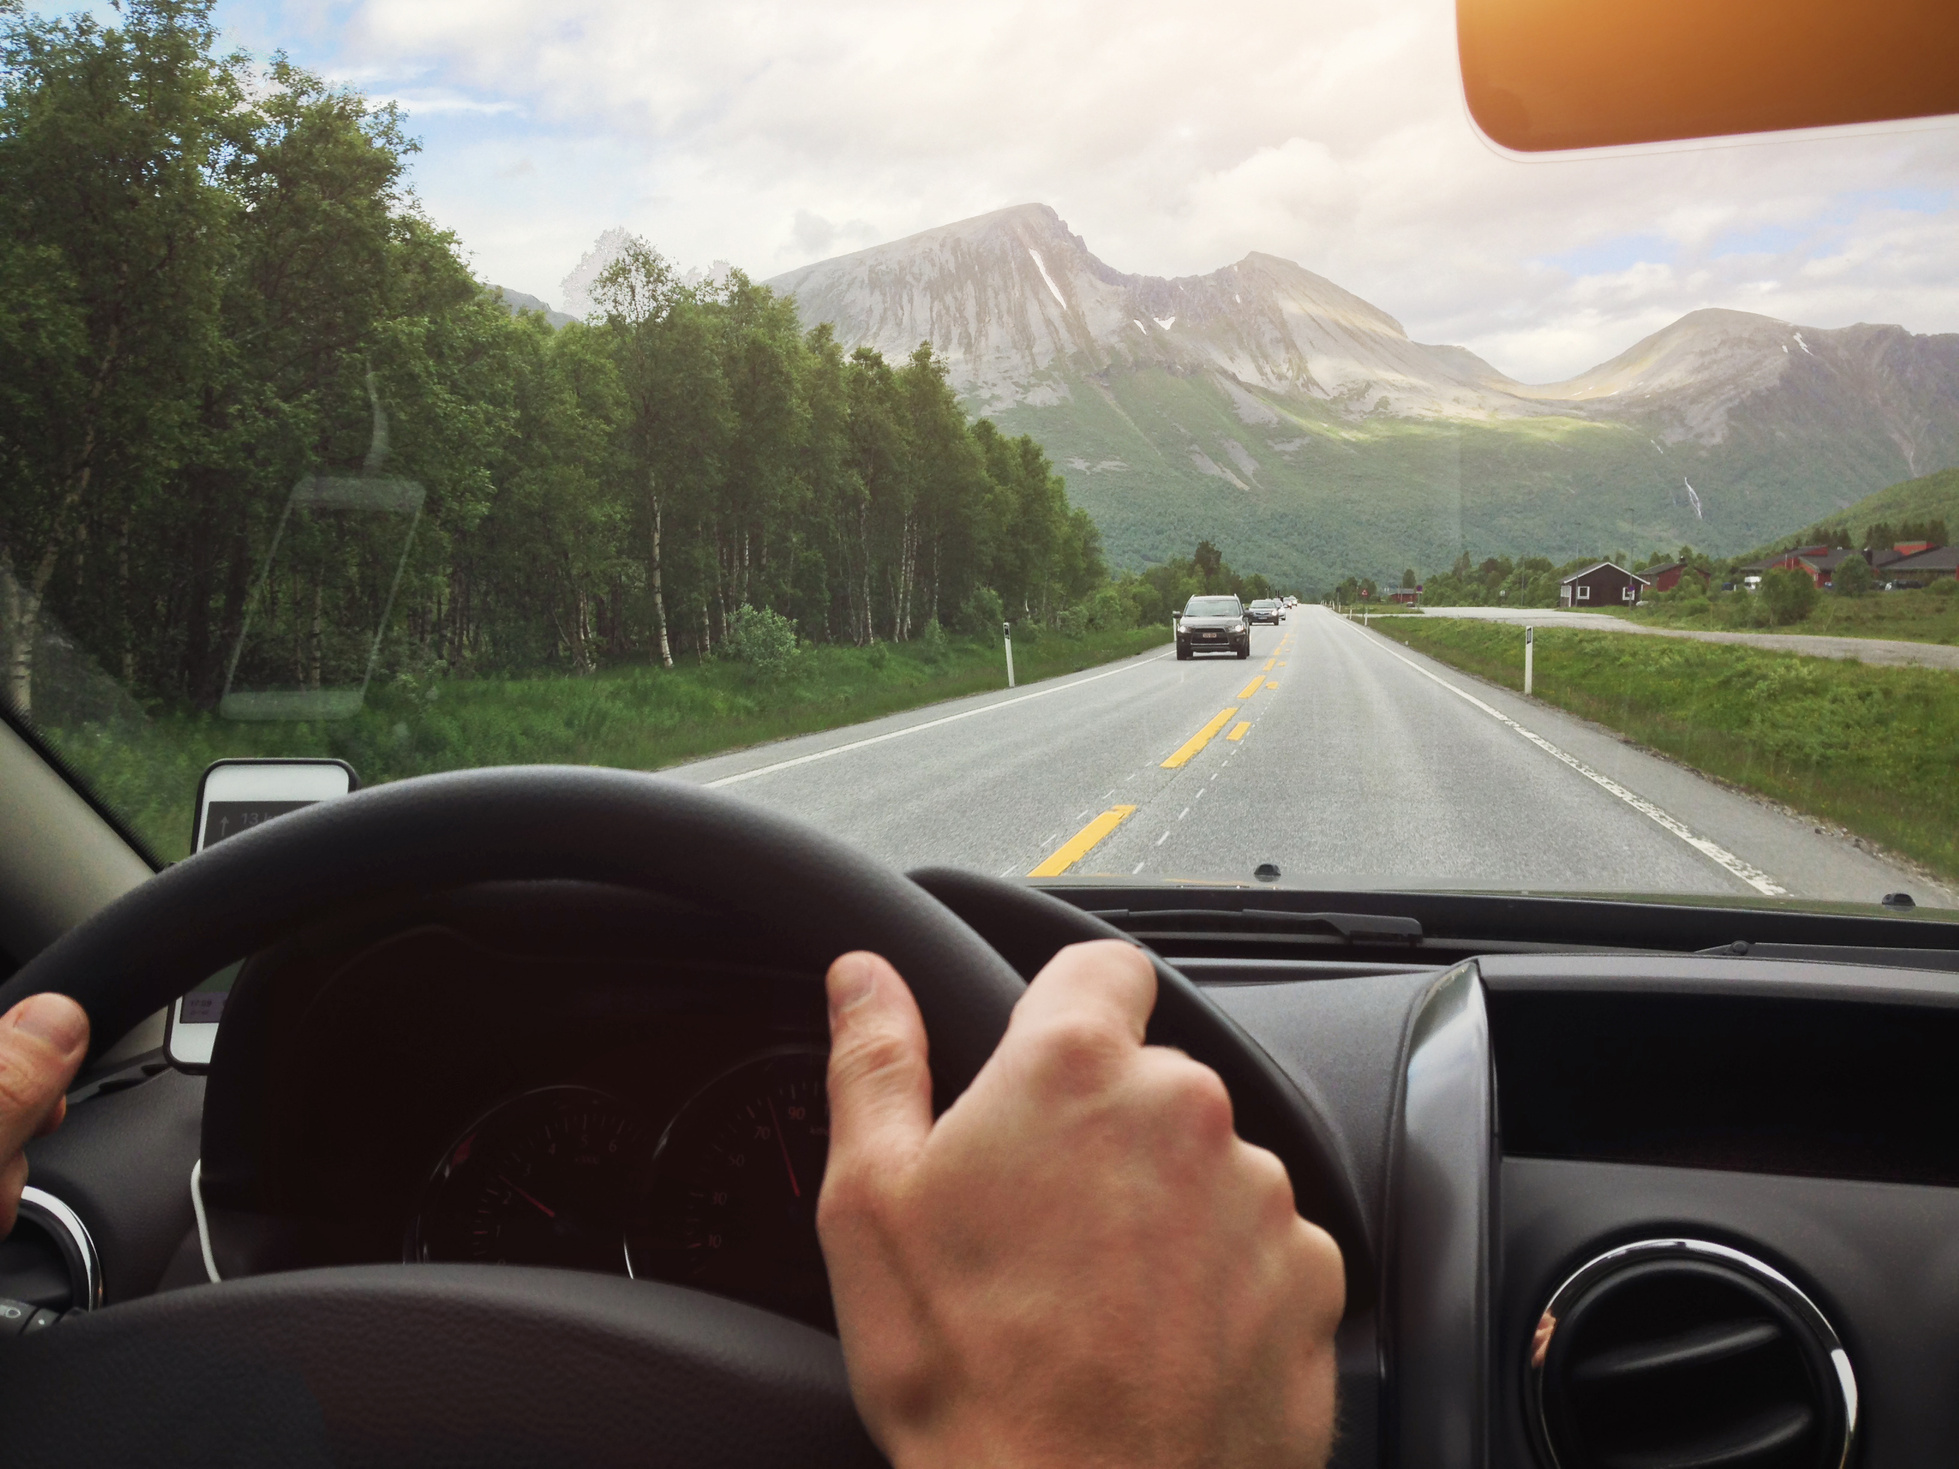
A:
[1080,1262]
[42,1042]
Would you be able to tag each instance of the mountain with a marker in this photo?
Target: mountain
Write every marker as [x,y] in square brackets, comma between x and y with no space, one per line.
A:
[516,301]
[1300,427]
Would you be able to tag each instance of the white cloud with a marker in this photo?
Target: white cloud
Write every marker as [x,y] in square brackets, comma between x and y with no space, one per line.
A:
[1174,138]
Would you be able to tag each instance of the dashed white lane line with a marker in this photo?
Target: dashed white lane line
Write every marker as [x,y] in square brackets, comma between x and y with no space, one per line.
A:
[912,729]
[1721,856]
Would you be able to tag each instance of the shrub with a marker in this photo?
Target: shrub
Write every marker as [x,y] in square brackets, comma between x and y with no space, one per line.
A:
[1853,578]
[1788,596]
[982,614]
[764,640]
[1106,610]
[1945,587]
[1072,622]
[932,639]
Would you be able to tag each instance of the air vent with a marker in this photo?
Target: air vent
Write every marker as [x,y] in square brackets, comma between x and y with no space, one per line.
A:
[49,1259]
[1680,1354]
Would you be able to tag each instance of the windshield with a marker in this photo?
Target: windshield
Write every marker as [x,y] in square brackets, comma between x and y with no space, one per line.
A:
[847,414]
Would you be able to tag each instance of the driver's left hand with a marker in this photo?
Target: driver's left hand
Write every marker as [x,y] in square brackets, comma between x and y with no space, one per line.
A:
[42,1042]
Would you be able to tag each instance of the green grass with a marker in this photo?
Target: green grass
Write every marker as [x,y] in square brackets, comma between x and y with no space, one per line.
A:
[633,717]
[1873,749]
[1929,616]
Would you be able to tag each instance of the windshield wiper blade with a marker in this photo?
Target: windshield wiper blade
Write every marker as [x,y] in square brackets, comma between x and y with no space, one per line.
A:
[1353,927]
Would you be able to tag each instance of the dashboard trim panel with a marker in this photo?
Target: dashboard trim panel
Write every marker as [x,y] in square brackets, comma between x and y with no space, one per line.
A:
[1441,1221]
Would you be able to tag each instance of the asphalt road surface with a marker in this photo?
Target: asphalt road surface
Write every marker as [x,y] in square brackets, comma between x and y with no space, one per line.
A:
[1333,753]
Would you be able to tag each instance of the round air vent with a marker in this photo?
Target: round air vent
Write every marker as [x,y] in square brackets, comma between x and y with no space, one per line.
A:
[49,1259]
[1680,1354]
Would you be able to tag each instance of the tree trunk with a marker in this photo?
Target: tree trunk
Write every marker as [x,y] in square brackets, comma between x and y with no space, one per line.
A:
[659,594]
[128,621]
[231,622]
[21,611]
[314,640]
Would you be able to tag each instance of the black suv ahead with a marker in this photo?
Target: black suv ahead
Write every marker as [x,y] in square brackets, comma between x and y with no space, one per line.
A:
[1214,625]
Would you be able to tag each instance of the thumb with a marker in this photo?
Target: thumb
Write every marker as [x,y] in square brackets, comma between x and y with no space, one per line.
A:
[880,1085]
[42,1042]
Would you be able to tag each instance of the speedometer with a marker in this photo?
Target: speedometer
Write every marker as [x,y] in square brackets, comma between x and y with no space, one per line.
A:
[543,1179]
[732,1207]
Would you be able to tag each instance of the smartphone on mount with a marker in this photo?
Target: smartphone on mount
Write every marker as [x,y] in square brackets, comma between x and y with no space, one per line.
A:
[235,796]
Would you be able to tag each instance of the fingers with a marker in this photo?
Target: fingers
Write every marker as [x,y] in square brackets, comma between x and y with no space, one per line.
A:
[42,1042]
[1104,982]
[880,1083]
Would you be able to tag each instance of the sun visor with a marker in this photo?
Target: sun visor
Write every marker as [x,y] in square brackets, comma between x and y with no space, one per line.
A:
[1544,75]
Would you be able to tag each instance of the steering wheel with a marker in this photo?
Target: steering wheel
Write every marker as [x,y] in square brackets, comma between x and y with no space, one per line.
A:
[494,1365]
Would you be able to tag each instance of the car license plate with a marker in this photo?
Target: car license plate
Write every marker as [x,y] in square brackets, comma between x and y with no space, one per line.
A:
[1210,635]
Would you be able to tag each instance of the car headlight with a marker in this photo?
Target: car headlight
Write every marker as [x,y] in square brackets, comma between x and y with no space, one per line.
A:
[1238,626]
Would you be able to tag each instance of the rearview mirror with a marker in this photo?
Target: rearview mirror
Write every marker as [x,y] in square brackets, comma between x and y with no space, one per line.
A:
[1541,75]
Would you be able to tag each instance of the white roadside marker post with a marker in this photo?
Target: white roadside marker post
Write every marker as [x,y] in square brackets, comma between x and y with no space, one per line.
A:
[1530,641]
[1007,636]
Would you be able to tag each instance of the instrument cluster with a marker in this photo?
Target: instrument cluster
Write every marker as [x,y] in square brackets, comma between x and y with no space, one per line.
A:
[719,1194]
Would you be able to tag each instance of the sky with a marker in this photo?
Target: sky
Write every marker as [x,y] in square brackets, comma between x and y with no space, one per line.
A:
[1173,137]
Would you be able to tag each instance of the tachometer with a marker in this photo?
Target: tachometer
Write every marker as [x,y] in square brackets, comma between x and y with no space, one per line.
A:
[545,1178]
[736,1176]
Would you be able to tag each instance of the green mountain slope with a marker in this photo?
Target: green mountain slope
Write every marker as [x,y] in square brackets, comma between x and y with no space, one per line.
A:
[1929,497]
[1162,461]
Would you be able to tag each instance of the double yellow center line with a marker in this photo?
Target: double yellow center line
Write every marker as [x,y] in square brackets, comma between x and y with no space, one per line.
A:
[1091,836]
[1191,747]
[1083,842]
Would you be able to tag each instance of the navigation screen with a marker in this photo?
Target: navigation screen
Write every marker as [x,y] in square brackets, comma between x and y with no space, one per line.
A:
[227,818]
[205,1004]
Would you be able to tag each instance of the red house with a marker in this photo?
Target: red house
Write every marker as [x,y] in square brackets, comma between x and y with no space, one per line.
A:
[1666,576]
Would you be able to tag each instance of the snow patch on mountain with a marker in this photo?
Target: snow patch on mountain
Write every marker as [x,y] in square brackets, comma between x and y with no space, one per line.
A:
[1041,266]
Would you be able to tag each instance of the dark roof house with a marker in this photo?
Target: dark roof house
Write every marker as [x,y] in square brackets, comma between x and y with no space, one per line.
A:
[1601,584]
[1925,565]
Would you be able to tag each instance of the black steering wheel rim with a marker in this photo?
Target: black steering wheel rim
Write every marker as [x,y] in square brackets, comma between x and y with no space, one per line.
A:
[518,823]
[419,837]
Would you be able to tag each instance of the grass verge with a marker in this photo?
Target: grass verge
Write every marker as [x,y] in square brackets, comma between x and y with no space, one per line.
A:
[1873,749]
[1927,616]
[634,717]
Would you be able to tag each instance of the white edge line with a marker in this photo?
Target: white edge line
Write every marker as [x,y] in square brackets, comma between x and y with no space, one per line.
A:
[910,729]
[1721,856]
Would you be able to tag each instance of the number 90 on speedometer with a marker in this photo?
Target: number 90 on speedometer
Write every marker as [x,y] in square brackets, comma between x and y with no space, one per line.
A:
[731,1205]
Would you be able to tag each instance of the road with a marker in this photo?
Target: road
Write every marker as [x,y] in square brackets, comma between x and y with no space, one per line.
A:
[1340,757]
[1888,652]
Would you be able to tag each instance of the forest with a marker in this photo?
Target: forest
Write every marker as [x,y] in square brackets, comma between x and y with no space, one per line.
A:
[264,437]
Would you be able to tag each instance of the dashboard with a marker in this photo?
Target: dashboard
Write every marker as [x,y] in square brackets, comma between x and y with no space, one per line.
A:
[1626,1207]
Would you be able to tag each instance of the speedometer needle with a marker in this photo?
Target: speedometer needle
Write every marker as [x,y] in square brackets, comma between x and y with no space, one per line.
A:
[544,1208]
[783,1143]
